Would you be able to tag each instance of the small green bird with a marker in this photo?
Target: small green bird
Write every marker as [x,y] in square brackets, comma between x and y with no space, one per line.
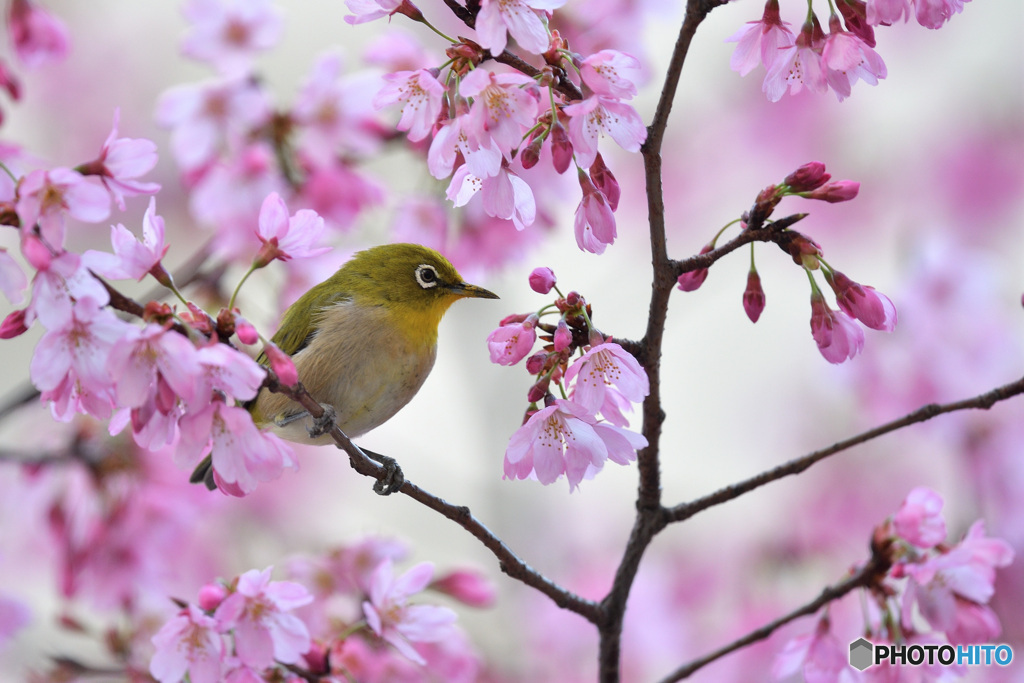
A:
[363,341]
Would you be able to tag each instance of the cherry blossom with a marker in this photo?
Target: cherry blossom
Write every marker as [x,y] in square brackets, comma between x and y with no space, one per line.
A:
[454,139]
[594,220]
[12,278]
[286,238]
[243,455]
[38,36]
[190,642]
[564,438]
[420,94]
[228,370]
[847,59]
[504,107]
[542,280]
[818,656]
[606,369]
[369,10]
[760,42]
[838,337]
[500,18]
[505,195]
[797,67]
[919,520]
[133,259]
[44,197]
[400,624]
[258,612]
[862,302]
[611,73]
[512,341]
[598,114]
[227,33]
[121,161]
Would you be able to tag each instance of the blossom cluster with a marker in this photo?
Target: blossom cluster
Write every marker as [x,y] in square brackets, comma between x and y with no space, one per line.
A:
[329,622]
[489,128]
[814,61]
[172,380]
[835,332]
[566,436]
[932,592]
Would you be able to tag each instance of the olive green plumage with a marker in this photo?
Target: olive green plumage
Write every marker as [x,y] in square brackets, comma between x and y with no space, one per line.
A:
[363,341]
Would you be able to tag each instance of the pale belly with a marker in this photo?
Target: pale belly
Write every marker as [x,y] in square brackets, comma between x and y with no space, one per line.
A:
[354,365]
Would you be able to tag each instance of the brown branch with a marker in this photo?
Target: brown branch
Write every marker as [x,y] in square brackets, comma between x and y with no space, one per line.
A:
[508,561]
[983,402]
[865,576]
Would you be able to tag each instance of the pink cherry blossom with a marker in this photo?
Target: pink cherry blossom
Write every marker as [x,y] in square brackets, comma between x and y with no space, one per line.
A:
[505,195]
[594,221]
[227,370]
[58,284]
[887,12]
[760,42]
[499,18]
[847,59]
[808,177]
[606,369]
[838,337]
[797,68]
[38,36]
[120,162]
[469,587]
[862,302]
[44,197]
[285,238]
[243,455]
[919,519]
[420,94]
[189,643]
[369,10]
[564,438]
[753,296]
[69,363]
[150,361]
[12,278]
[258,613]
[400,624]
[818,656]
[542,280]
[834,192]
[228,33]
[206,116]
[504,107]
[611,73]
[454,138]
[133,259]
[596,115]
[935,13]
[512,342]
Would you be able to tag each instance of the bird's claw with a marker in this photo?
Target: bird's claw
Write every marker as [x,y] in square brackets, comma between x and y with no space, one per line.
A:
[393,477]
[321,425]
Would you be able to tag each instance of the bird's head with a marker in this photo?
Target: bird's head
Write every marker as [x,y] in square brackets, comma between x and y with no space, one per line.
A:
[412,280]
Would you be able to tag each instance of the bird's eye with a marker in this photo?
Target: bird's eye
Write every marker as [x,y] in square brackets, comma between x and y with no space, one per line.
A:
[426,276]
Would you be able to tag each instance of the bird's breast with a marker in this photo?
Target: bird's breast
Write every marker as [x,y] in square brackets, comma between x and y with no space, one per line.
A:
[360,363]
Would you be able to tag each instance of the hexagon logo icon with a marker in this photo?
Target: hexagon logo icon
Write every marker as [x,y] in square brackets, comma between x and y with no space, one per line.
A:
[861,654]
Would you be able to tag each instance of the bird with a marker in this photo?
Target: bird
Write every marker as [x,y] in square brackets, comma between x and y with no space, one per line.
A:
[363,342]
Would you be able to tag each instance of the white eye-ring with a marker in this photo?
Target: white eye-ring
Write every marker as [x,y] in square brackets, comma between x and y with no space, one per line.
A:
[426,276]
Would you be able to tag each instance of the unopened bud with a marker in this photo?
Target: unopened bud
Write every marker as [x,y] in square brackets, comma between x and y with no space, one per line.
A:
[563,337]
[753,296]
[211,595]
[561,148]
[282,365]
[542,280]
[808,177]
[530,155]
[535,363]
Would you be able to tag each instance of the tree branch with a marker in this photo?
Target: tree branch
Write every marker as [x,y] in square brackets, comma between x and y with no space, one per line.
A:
[510,563]
[982,401]
[867,575]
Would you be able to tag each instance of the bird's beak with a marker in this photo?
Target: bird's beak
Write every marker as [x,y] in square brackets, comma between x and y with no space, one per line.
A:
[467,290]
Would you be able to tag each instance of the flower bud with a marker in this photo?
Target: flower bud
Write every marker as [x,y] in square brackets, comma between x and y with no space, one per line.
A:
[840,191]
[605,181]
[530,155]
[753,296]
[211,595]
[692,280]
[282,364]
[13,325]
[535,363]
[539,390]
[561,148]
[542,280]
[468,587]
[246,331]
[808,177]
[563,337]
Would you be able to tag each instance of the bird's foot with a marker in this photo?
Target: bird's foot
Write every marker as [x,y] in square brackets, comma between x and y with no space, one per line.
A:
[393,477]
[321,425]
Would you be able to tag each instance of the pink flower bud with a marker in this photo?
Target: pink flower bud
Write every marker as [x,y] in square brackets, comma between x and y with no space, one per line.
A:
[246,331]
[692,280]
[839,191]
[510,343]
[530,155]
[13,325]
[211,595]
[563,337]
[862,302]
[539,390]
[468,587]
[605,181]
[535,363]
[753,296]
[542,280]
[808,177]
[282,365]
[561,148]
[316,658]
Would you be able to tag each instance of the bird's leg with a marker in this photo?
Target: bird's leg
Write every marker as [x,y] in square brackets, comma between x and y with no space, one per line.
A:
[321,425]
[393,476]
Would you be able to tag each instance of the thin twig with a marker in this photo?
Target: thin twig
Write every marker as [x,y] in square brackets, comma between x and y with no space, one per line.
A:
[982,401]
